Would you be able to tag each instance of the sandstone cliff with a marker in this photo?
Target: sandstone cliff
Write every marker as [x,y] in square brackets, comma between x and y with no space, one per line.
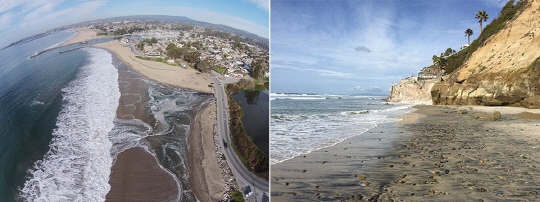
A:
[503,70]
[411,90]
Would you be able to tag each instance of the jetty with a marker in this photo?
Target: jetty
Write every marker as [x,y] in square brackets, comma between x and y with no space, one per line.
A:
[71,49]
[50,49]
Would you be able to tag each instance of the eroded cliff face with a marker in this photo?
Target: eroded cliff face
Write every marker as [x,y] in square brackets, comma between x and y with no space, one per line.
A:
[503,71]
[520,89]
[411,90]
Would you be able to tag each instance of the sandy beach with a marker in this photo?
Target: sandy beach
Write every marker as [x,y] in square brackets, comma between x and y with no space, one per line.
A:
[206,178]
[448,153]
[182,77]
[136,174]
[83,35]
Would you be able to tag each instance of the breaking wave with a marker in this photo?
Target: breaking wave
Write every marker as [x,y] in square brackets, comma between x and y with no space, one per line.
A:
[78,164]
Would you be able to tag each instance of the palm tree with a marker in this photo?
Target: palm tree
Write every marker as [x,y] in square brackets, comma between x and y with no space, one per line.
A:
[468,34]
[481,15]
[440,61]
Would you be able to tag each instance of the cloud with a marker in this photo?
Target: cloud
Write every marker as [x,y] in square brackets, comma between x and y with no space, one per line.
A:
[362,48]
[332,73]
[6,5]
[40,11]
[264,4]
[321,72]
[217,18]
[5,20]
[43,13]
[368,89]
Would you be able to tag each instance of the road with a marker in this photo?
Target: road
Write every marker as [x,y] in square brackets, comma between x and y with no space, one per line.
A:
[244,178]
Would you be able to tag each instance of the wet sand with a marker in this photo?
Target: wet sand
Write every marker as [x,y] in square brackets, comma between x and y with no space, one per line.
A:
[206,178]
[136,174]
[448,154]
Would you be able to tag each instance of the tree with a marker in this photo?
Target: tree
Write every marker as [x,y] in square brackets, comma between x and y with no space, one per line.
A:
[173,51]
[448,52]
[153,40]
[468,34]
[192,56]
[205,65]
[481,15]
[140,45]
[258,68]
[440,61]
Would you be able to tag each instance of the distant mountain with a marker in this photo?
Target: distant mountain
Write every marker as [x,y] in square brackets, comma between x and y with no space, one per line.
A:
[160,18]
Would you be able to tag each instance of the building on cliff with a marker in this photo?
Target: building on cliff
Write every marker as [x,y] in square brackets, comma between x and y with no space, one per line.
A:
[500,68]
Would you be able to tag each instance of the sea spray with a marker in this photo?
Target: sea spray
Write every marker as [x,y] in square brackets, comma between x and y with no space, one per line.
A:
[78,164]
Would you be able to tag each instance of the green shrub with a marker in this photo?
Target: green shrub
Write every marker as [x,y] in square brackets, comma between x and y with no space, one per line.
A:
[237,196]
[482,67]
[507,13]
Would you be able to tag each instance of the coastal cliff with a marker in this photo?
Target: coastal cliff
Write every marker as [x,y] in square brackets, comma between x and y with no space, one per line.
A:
[500,68]
[519,89]
[412,90]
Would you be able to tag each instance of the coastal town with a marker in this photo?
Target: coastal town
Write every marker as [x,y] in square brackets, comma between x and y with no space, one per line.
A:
[183,45]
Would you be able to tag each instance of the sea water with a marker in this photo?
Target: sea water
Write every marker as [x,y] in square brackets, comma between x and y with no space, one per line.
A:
[55,113]
[302,123]
[59,131]
[78,163]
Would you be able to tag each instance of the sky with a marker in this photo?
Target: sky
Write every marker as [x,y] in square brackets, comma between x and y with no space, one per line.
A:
[361,46]
[23,18]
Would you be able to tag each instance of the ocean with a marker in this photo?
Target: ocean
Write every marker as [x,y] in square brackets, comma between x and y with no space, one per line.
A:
[60,133]
[302,123]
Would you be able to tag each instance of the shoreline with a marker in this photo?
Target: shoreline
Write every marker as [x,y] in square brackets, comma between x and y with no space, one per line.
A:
[136,174]
[206,179]
[447,154]
[408,117]
[202,129]
[187,78]
[81,35]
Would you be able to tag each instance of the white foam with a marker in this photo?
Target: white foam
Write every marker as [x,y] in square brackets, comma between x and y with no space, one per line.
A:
[294,135]
[127,133]
[35,102]
[78,164]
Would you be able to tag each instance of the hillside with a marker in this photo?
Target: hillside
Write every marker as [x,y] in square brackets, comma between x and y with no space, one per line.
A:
[501,67]
[503,70]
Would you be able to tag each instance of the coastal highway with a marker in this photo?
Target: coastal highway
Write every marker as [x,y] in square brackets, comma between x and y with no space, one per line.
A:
[244,178]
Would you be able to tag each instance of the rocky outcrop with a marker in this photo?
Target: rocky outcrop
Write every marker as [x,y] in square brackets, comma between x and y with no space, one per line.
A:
[518,89]
[503,71]
[412,90]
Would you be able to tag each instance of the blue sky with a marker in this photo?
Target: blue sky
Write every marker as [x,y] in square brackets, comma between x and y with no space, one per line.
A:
[356,47]
[23,18]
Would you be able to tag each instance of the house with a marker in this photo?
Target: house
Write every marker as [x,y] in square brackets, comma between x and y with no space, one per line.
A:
[153,53]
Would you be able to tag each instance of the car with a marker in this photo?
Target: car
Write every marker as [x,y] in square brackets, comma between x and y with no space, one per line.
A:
[224,143]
